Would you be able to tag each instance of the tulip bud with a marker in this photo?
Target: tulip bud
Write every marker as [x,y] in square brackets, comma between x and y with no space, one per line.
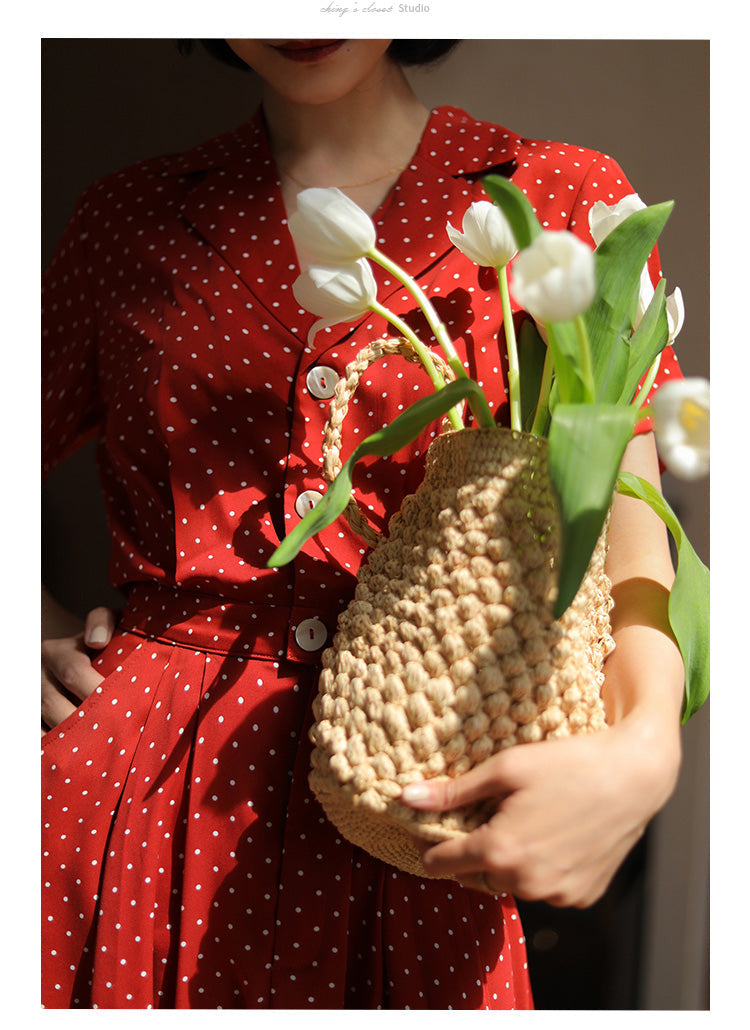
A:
[330,229]
[336,293]
[680,412]
[604,217]
[553,278]
[487,238]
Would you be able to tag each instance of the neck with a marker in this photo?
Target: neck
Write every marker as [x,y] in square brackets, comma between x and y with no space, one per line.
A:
[351,139]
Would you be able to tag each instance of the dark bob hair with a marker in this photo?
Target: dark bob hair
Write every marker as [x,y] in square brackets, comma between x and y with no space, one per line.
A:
[406,52]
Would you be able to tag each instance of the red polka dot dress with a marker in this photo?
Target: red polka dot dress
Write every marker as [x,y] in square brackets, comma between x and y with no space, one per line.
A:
[185,862]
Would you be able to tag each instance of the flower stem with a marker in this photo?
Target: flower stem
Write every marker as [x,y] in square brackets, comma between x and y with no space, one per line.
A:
[542,404]
[584,351]
[479,405]
[422,299]
[648,382]
[454,415]
[424,355]
[514,383]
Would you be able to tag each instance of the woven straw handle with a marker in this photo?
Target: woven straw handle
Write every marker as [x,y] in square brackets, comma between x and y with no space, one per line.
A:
[343,394]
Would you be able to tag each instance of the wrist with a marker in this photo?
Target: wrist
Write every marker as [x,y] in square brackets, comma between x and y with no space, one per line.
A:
[643,694]
[651,742]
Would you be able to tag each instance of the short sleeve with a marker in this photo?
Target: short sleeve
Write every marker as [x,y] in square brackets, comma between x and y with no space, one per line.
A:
[607,182]
[70,403]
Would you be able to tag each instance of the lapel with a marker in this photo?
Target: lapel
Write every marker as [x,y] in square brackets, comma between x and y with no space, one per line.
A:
[234,202]
[437,187]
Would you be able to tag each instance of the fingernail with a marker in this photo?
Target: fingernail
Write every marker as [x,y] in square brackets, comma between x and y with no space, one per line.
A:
[415,792]
[98,635]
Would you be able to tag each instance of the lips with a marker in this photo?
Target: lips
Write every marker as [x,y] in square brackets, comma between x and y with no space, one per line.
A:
[306,49]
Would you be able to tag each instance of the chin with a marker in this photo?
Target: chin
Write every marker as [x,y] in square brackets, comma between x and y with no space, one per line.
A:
[314,72]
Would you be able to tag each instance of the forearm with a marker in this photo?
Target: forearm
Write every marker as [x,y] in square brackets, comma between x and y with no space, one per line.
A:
[645,670]
[642,694]
[644,676]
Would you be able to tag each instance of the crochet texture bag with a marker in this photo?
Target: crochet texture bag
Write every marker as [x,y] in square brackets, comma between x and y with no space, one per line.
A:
[449,650]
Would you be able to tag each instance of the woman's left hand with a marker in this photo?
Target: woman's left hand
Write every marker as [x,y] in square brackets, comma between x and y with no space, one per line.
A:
[568,812]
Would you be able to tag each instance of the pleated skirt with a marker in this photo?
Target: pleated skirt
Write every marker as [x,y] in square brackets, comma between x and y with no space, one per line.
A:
[185,863]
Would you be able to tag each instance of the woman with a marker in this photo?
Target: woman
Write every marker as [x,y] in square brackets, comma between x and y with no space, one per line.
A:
[186,864]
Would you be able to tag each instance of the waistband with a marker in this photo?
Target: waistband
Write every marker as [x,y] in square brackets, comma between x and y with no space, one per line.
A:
[222,626]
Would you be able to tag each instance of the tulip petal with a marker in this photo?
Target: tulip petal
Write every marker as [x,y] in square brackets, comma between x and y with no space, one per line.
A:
[675,313]
[461,242]
[329,228]
[680,411]
[603,218]
[554,277]
[336,292]
[487,239]
[322,323]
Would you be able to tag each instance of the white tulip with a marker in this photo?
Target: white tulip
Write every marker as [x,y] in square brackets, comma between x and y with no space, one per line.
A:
[675,306]
[681,414]
[553,278]
[604,217]
[330,229]
[487,238]
[336,293]
[602,220]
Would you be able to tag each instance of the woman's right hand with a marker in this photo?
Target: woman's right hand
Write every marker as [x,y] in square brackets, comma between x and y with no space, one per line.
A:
[68,675]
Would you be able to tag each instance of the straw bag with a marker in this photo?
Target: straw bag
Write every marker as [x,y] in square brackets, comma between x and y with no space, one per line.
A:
[449,650]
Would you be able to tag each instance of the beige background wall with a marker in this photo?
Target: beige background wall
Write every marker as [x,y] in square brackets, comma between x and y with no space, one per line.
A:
[109,102]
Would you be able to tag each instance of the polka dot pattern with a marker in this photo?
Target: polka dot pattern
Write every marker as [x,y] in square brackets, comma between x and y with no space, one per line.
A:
[185,862]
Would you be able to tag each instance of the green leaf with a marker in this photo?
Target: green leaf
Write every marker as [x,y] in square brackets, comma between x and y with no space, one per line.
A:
[388,440]
[532,350]
[586,445]
[610,368]
[566,355]
[610,374]
[621,370]
[688,599]
[515,206]
[620,258]
[647,341]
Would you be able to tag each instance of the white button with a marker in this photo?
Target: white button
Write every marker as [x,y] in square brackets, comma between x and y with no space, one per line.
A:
[321,382]
[307,501]
[311,634]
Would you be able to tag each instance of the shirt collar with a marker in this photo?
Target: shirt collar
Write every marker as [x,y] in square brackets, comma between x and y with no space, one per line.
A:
[456,144]
[224,174]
